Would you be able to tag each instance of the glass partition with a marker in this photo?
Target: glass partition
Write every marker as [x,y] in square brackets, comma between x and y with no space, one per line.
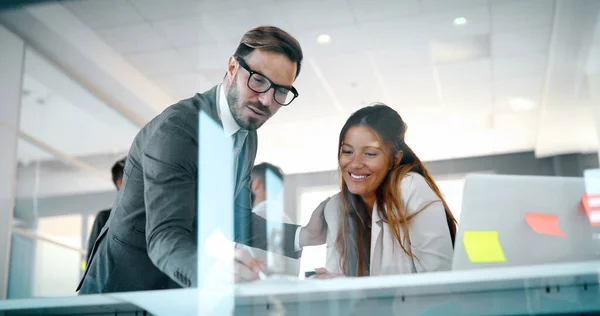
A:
[503,93]
[42,267]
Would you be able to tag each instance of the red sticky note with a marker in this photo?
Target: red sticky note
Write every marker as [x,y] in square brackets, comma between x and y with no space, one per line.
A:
[544,224]
[591,205]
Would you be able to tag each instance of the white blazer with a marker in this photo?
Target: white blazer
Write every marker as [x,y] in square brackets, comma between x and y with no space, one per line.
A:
[430,238]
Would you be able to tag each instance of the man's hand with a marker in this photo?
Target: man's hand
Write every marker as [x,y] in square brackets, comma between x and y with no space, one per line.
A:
[323,274]
[315,232]
[246,266]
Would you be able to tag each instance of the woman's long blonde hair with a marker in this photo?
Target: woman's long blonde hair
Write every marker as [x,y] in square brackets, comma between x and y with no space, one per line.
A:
[353,239]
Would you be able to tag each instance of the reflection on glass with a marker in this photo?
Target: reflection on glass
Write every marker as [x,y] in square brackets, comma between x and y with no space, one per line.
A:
[215,218]
[275,217]
[48,185]
[52,196]
[40,269]
[59,112]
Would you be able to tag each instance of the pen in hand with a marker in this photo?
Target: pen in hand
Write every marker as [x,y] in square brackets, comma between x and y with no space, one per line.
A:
[261,274]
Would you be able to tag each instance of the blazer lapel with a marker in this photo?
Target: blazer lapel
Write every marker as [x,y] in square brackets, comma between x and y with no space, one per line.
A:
[209,103]
[376,242]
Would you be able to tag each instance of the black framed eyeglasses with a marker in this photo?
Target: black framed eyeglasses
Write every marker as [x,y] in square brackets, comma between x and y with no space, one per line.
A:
[259,83]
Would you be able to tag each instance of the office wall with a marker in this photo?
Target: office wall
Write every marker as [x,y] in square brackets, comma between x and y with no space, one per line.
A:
[12,53]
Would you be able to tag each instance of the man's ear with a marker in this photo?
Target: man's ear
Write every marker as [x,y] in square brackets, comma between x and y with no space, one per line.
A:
[255,185]
[398,157]
[232,66]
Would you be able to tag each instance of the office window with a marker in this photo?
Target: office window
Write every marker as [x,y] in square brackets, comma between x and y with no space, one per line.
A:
[452,190]
[313,257]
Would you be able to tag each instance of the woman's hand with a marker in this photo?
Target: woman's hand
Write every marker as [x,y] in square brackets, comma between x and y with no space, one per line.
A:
[323,274]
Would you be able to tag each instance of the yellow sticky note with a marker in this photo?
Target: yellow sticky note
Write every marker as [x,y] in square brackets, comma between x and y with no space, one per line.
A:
[83,263]
[483,246]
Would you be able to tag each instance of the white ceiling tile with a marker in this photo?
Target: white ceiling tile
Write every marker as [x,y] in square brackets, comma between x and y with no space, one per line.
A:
[184,31]
[522,14]
[133,38]
[230,25]
[312,102]
[460,49]
[412,94]
[526,87]
[104,14]
[381,10]
[412,56]
[355,86]
[183,86]
[160,63]
[307,15]
[344,40]
[442,23]
[207,56]
[468,96]
[410,86]
[156,10]
[519,66]
[225,5]
[522,42]
[467,73]
[516,120]
[432,6]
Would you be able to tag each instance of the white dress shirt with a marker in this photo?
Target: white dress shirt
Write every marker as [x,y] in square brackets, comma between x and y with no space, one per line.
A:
[430,240]
[230,127]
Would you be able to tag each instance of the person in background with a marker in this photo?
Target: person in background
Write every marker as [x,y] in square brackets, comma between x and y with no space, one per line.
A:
[102,216]
[261,202]
[150,239]
[390,217]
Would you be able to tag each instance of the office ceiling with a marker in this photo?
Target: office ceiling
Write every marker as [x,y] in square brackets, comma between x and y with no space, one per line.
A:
[470,77]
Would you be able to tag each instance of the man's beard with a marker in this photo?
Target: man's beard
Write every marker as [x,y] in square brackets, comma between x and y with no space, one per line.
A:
[233,97]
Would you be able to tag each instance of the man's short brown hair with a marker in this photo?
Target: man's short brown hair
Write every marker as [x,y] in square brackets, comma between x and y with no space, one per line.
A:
[271,39]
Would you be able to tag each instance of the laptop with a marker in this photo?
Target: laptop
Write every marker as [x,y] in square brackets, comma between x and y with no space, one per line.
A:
[500,216]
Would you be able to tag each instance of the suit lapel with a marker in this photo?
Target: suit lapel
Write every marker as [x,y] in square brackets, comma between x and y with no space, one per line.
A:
[209,104]
[376,242]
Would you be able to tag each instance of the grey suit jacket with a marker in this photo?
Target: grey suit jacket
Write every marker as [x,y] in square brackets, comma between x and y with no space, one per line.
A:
[150,239]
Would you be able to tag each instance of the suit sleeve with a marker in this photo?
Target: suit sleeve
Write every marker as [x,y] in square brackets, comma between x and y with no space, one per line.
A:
[251,229]
[429,233]
[170,188]
[99,222]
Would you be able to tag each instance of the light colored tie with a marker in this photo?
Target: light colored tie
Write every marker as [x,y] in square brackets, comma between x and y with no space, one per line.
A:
[239,138]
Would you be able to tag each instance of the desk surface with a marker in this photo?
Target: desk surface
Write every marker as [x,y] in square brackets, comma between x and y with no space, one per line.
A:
[494,282]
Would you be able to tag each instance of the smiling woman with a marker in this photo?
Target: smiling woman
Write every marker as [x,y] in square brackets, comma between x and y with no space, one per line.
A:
[388,200]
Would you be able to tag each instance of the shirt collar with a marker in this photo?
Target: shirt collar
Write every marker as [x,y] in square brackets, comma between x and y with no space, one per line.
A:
[375,215]
[230,126]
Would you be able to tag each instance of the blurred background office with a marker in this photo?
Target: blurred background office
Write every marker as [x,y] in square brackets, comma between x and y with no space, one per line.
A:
[486,86]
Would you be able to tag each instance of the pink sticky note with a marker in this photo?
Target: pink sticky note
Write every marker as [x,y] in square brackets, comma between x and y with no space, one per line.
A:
[544,224]
[591,206]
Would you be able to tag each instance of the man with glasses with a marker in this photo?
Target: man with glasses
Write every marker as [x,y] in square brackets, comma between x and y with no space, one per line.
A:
[150,241]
